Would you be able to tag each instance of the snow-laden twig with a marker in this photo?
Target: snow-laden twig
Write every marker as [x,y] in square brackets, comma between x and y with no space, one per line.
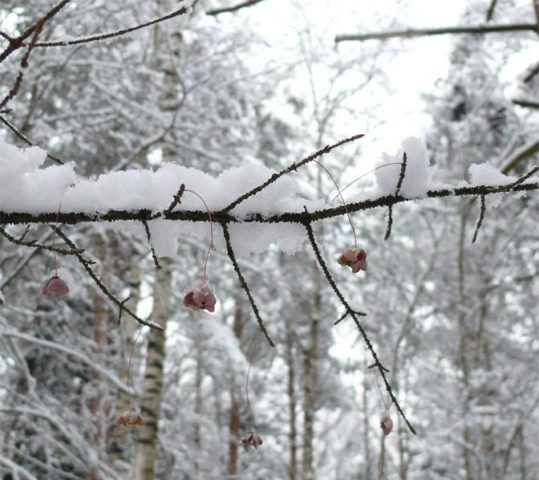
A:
[290,168]
[220,216]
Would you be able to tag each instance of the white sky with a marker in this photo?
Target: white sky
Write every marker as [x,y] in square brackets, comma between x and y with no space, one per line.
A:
[412,71]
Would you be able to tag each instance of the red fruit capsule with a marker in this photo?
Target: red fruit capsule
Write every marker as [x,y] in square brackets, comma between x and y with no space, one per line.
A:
[130,418]
[355,258]
[55,287]
[386,424]
[200,298]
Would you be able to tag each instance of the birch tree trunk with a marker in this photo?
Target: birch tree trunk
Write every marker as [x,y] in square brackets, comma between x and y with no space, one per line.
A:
[235,423]
[154,371]
[118,433]
[310,357]
[291,392]
[152,386]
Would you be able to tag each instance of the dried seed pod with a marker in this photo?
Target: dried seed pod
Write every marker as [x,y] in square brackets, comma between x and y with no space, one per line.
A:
[251,440]
[355,258]
[200,298]
[130,418]
[55,287]
[386,424]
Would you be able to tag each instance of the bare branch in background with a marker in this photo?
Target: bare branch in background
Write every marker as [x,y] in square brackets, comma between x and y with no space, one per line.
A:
[526,103]
[233,8]
[86,264]
[490,11]
[421,32]
[25,139]
[18,42]
[115,34]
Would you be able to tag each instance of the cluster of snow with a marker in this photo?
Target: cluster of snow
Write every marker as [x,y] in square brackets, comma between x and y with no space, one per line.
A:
[486,174]
[416,179]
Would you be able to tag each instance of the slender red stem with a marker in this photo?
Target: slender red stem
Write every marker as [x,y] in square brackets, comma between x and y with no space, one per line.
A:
[363,176]
[342,199]
[210,248]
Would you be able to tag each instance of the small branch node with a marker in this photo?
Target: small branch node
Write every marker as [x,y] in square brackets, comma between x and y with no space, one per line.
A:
[176,201]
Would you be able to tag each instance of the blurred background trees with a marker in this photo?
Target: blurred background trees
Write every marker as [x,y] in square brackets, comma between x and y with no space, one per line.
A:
[454,321]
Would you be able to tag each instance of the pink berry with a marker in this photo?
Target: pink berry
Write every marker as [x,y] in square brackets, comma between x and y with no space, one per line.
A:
[55,287]
[200,298]
[386,424]
[355,258]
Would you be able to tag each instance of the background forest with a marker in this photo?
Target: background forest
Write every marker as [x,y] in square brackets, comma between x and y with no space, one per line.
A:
[268,82]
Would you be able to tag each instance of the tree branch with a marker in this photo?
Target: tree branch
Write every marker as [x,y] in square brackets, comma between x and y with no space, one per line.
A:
[381,369]
[293,167]
[234,8]
[86,264]
[421,32]
[72,218]
[109,35]
[526,103]
[490,11]
[24,138]
[244,284]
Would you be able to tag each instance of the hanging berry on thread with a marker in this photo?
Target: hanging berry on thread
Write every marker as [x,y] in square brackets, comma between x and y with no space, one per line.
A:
[355,258]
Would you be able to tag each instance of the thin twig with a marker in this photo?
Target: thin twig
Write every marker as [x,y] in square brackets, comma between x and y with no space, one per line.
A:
[341,318]
[353,314]
[525,177]
[25,139]
[23,67]
[18,42]
[342,199]
[243,283]
[115,34]
[233,8]
[86,264]
[482,211]
[176,200]
[490,11]
[293,167]
[420,32]
[149,237]
[402,174]
[34,244]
